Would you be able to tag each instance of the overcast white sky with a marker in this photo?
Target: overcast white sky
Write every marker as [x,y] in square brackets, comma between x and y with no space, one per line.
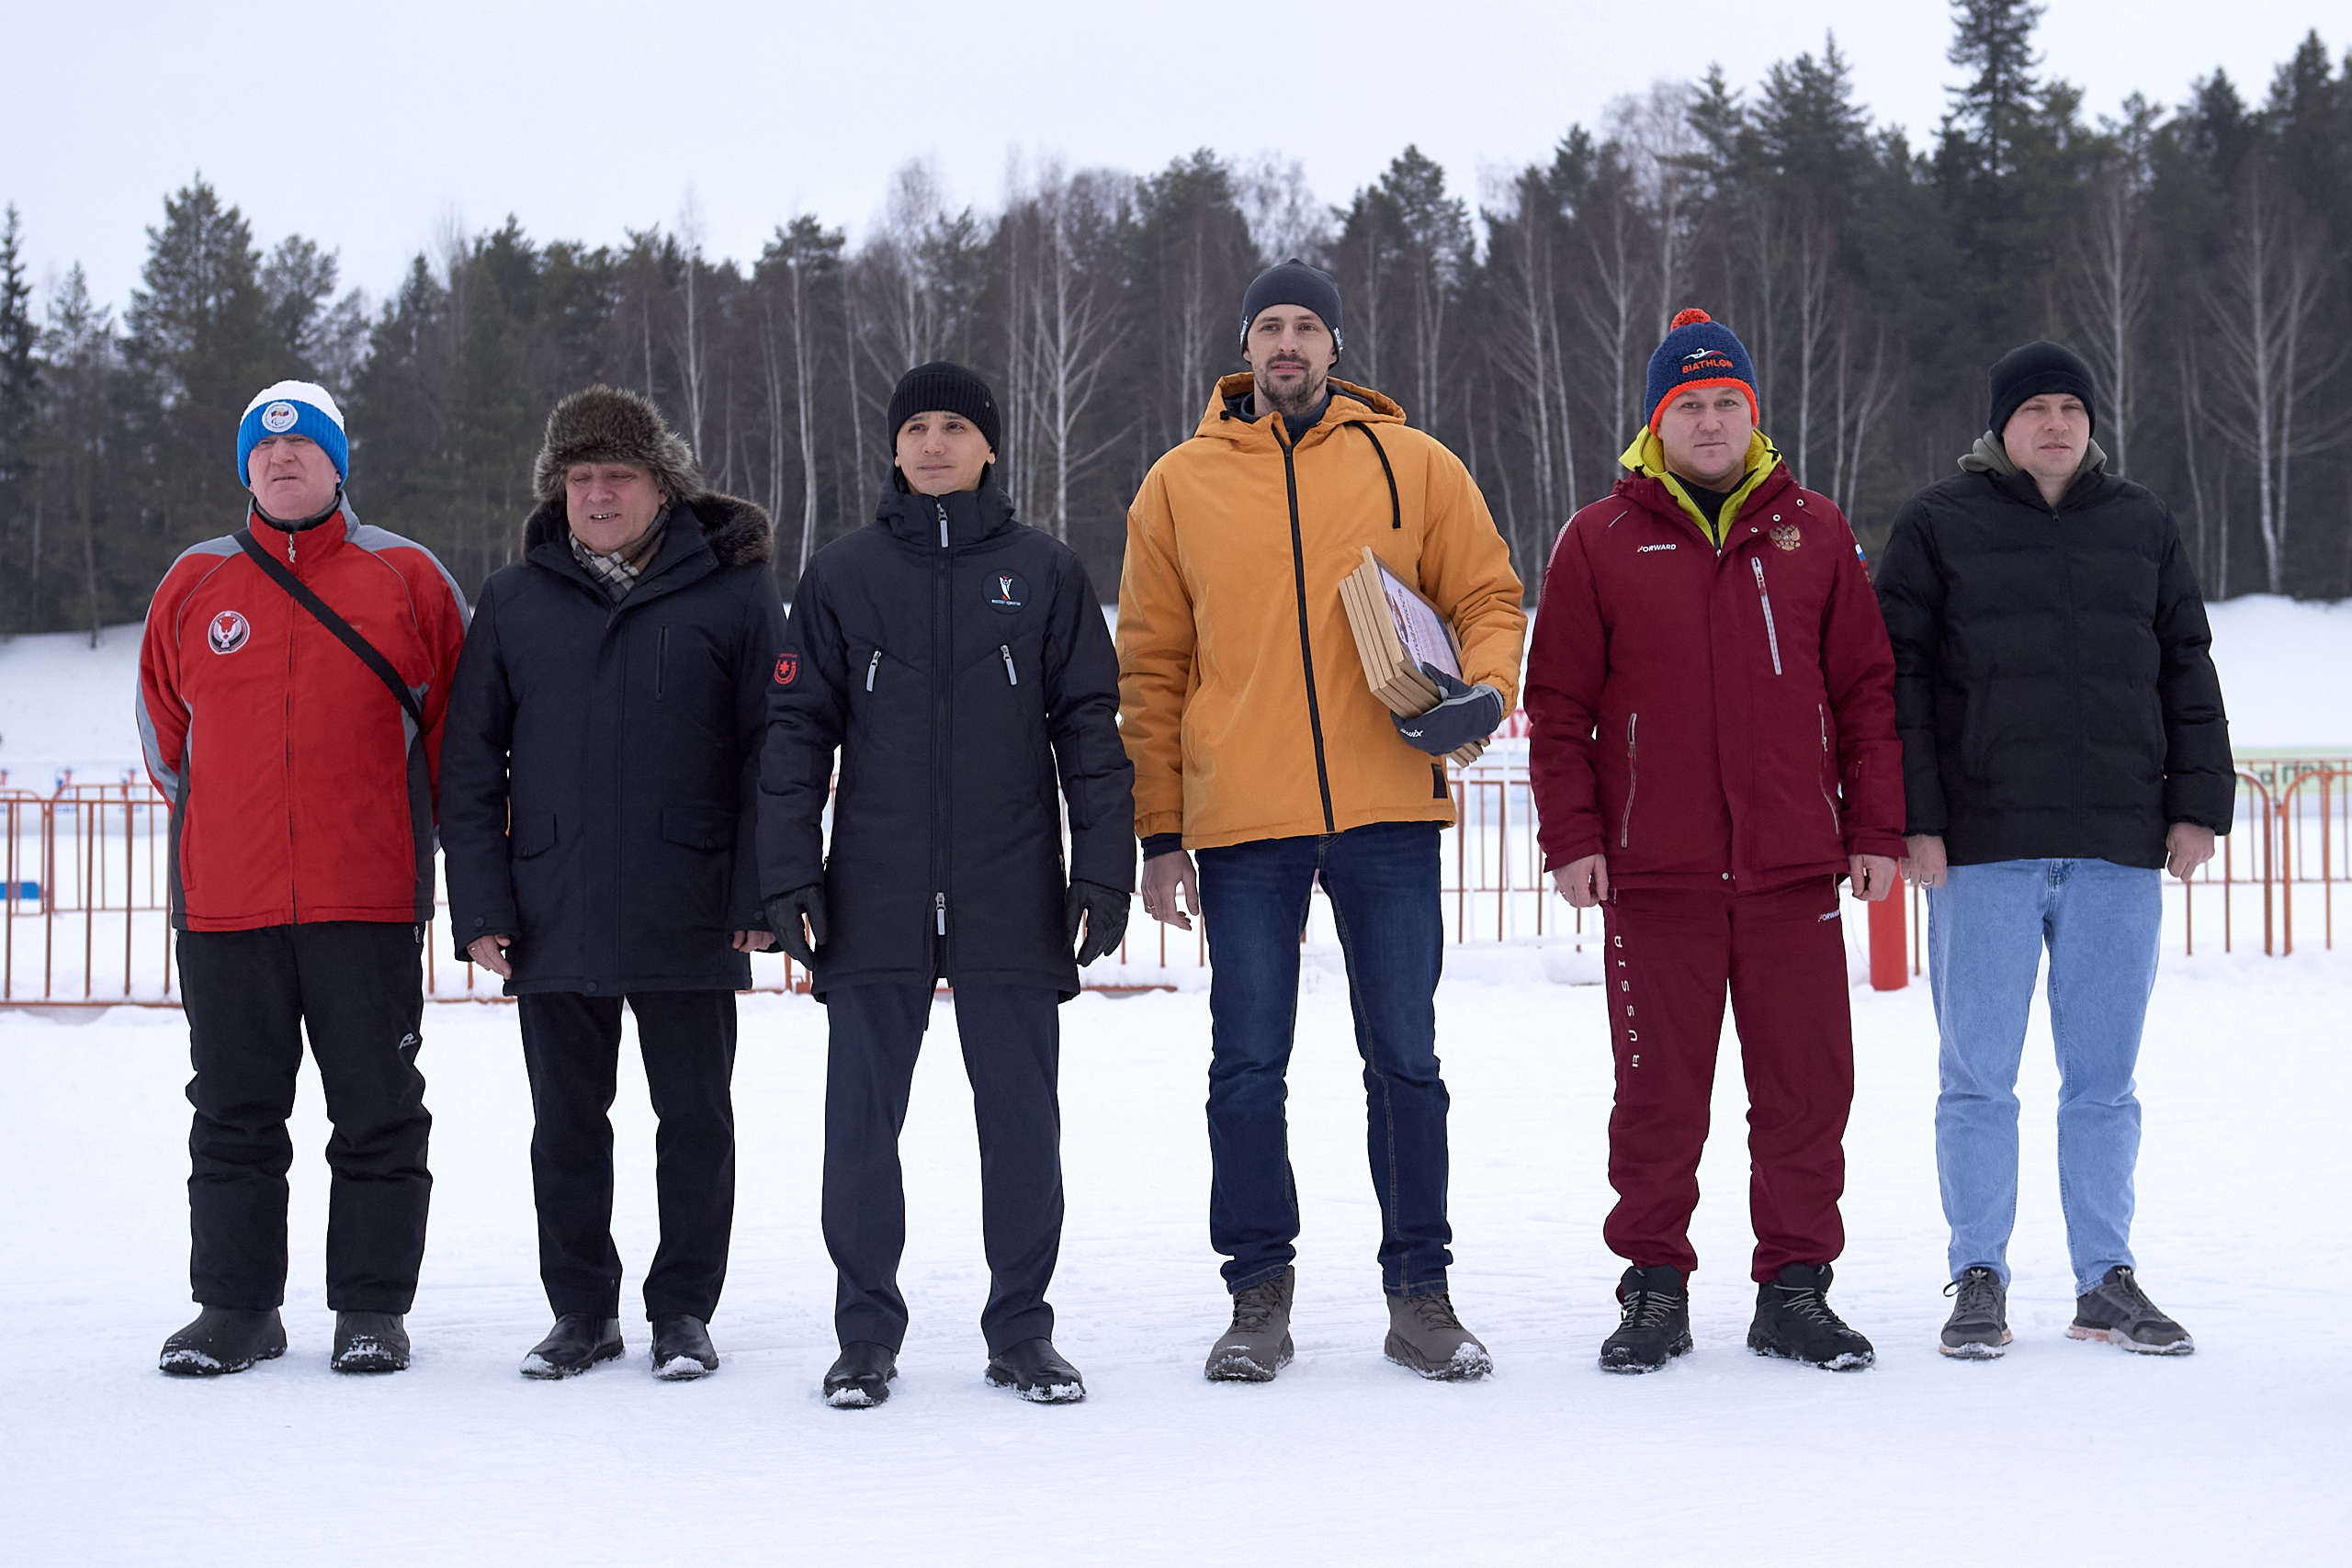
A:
[367,125]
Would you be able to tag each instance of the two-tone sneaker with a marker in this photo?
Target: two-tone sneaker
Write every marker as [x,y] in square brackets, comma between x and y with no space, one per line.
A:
[1978,1329]
[2120,1313]
[1653,1325]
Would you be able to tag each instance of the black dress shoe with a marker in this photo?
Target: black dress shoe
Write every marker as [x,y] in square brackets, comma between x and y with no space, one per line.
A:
[223,1339]
[369,1342]
[861,1376]
[1036,1371]
[682,1350]
[577,1342]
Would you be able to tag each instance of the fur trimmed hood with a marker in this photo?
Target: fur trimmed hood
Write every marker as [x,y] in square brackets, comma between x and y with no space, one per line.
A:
[737,531]
[609,424]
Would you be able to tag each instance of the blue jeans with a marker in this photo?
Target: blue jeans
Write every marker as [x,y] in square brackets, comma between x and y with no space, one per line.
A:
[1383,884]
[1986,928]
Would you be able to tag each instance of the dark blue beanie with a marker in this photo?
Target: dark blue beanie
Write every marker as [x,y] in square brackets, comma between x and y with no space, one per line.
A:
[1292,283]
[1698,352]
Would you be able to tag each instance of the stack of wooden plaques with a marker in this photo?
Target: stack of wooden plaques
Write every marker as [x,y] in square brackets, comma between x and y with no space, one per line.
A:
[1398,631]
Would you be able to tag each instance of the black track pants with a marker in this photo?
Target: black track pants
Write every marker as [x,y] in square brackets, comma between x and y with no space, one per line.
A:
[571,1046]
[1011,1038]
[357,987]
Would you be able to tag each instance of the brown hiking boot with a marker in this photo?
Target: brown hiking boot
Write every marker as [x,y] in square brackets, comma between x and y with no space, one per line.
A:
[1425,1336]
[1258,1345]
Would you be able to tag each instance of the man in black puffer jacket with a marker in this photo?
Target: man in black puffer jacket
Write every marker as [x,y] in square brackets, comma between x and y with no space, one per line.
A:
[610,704]
[960,664]
[2063,741]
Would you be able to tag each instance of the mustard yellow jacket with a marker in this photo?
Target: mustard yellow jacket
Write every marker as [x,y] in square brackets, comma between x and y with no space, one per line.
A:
[1242,700]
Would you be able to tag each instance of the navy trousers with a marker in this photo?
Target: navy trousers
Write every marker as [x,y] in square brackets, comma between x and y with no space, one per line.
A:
[1011,1038]
[571,1046]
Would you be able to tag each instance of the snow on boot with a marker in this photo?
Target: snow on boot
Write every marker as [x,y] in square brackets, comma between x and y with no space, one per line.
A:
[1036,1371]
[860,1376]
[2118,1312]
[1978,1329]
[1655,1326]
[369,1342]
[1258,1345]
[1794,1322]
[682,1350]
[1425,1336]
[223,1339]
[577,1342]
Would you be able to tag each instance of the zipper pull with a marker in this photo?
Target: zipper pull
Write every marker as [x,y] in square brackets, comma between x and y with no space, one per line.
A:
[943,527]
[871,666]
[939,904]
[1010,677]
[289,549]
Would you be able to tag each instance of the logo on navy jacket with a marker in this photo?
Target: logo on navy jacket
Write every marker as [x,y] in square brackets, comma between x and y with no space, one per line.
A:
[787,669]
[1007,592]
[228,632]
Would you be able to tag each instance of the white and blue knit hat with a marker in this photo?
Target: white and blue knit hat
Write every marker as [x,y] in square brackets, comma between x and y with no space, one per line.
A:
[299,408]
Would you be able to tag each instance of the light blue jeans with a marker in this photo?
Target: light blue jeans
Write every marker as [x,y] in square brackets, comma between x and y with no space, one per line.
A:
[1986,926]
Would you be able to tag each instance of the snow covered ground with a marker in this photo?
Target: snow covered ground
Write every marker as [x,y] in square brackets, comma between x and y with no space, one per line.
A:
[2060,1453]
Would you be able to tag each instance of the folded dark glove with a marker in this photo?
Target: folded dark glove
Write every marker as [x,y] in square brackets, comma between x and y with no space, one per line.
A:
[1105,910]
[786,910]
[1465,713]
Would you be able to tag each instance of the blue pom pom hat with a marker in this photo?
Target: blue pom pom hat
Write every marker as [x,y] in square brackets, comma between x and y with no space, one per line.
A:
[1699,351]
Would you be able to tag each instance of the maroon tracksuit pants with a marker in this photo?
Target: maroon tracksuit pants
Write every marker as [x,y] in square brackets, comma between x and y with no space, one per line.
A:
[1781,956]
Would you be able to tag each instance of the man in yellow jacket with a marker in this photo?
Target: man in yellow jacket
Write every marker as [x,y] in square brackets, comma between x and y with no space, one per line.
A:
[1259,745]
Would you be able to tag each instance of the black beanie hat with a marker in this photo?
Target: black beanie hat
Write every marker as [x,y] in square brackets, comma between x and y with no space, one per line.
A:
[1292,283]
[950,388]
[2030,371]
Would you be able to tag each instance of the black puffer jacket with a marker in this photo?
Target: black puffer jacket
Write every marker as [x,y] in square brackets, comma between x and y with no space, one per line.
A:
[2054,687]
[960,663]
[626,739]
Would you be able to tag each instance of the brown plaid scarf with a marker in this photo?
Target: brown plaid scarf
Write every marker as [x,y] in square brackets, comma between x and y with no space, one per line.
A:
[616,573]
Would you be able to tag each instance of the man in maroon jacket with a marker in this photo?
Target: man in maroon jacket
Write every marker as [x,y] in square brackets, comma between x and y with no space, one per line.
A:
[1712,747]
[301,785]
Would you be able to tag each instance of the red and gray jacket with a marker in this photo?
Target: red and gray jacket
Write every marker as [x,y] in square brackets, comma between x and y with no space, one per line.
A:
[300,789]
[1707,716]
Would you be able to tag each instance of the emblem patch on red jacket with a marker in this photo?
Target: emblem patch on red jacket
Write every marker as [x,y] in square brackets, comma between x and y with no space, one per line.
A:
[1786,536]
[228,632]
[787,669]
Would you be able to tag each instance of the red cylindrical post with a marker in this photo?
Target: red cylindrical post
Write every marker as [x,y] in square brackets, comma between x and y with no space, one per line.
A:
[1890,956]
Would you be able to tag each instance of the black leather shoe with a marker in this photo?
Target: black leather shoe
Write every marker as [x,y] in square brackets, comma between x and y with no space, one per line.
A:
[223,1339]
[860,1376]
[369,1342]
[682,1350]
[1036,1371]
[577,1342]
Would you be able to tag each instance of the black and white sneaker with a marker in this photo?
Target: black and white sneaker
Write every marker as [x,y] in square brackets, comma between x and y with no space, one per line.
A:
[1654,1327]
[1794,1323]
[1978,1329]
[2120,1313]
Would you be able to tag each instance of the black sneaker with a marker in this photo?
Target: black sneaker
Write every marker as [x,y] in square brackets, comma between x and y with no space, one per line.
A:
[223,1339]
[577,1342]
[1036,1371]
[1794,1323]
[2120,1313]
[1655,1327]
[369,1342]
[1978,1329]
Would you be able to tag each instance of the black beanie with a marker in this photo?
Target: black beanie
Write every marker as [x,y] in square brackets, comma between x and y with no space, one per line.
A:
[950,389]
[2030,371]
[1292,283]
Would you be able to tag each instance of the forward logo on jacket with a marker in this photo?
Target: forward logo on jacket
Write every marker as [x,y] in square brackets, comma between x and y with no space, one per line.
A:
[1786,536]
[1648,549]
[228,632]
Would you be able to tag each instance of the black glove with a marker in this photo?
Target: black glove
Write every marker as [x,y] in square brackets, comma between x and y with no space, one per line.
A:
[1465,713]
[1105,909]
[786,910]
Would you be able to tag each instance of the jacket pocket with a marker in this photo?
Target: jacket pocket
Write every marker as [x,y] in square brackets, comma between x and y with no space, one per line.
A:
[1632,781]
[660,663]
[1827,770]
[1772,631]
[698,827]
[532,834]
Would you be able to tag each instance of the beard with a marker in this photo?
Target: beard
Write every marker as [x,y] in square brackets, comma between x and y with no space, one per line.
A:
[1310,393]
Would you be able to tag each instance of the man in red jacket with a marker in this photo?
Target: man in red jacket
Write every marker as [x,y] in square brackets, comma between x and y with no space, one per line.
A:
[301,874]
[1712,747]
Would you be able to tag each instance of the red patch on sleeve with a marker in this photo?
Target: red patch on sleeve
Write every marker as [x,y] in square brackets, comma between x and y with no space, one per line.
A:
[787,669]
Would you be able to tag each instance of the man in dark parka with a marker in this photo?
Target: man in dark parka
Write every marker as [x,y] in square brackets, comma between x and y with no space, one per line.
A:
[959,663]
[600,782]
[2064,742]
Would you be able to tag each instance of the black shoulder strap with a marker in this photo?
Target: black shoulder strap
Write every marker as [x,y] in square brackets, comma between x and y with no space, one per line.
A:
[343,631]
